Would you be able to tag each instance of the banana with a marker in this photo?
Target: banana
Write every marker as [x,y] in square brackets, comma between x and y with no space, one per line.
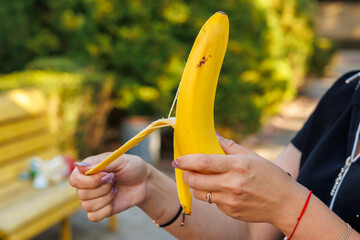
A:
[194,128]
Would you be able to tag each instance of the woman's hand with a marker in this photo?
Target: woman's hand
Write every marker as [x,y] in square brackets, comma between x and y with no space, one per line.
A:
[243,185]
[121,185]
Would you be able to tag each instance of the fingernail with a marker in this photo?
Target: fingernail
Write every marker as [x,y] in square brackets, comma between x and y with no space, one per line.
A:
[112,180]
[114,189]
[108,178]
[217,134]
[82,164]
[175,164]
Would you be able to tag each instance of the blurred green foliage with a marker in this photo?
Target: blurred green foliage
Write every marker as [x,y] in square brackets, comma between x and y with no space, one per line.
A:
[145,45]
[324,49]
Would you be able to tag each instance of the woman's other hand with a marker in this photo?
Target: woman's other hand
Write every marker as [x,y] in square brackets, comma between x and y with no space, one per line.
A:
[118,187]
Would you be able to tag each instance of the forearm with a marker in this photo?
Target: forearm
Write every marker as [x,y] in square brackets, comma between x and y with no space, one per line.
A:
[318,221]
[206,221]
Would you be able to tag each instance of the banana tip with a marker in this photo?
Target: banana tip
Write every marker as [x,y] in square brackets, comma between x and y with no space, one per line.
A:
[221,12]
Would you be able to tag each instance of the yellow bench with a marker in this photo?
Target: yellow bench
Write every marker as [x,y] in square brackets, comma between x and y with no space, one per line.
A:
[24,133]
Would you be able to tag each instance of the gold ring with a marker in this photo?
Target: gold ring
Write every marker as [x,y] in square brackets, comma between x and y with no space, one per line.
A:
[208,198]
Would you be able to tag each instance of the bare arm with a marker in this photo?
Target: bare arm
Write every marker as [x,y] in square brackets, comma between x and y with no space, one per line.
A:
[289,160]
[319,222]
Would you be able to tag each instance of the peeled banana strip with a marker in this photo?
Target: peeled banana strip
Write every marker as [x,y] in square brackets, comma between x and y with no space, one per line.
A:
[131,143]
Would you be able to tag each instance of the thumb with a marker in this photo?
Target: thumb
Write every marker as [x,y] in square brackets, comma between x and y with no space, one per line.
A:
[231,148]
[91,162]
[83,167]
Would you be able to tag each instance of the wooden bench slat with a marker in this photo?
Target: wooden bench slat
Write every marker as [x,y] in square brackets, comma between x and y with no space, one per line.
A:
[20,213]
[21,147]
[6,189]
[10,171]
[46,221]
[11,188]
[14,192]
[21,103]
[16,129]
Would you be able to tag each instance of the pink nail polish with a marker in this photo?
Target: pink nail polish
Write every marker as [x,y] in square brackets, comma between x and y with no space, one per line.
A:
[114,190]
[112,180]
[108,178]
[175,164]
[82,164]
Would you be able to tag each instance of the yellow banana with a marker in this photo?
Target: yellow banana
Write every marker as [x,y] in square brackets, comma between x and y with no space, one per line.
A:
[194,128]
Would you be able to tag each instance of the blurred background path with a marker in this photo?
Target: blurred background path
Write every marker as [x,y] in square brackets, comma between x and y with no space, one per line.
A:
[279,130]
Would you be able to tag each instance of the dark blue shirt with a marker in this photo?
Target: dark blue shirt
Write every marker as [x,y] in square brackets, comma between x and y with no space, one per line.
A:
[325,141]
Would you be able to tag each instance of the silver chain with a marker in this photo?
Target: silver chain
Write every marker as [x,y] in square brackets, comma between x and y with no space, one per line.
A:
[348,163]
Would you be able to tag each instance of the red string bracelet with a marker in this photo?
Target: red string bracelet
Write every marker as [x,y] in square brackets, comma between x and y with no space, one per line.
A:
[301,214]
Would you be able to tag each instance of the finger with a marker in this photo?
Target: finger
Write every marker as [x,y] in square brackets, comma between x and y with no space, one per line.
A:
[204,163]
[90,162]
[231,148]
[202,196]
[201,181]
[96,204]
[87,194]
[94,160]
[83,167]
[100,214]
[79,180]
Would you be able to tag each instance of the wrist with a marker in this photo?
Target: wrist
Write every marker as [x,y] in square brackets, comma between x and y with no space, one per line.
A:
[293,202]
[149,180]
[161,201]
